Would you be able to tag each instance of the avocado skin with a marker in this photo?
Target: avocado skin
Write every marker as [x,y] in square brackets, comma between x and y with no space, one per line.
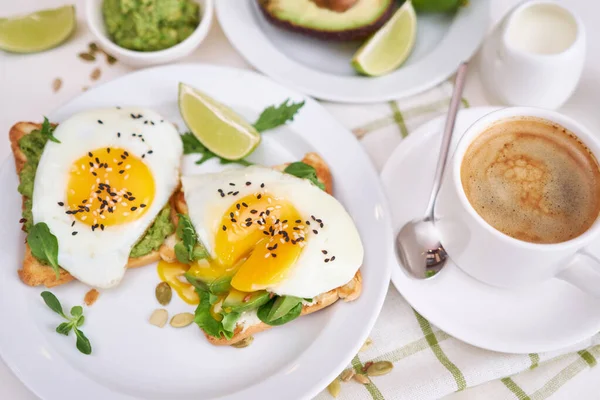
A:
[359,33]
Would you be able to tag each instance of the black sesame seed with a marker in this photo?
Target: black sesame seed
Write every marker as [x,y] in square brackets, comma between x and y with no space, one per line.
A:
[307,222]
[150,151]
[229,193]
[231,215]
[235,193]
[143,155]
[321,225]
[91,164]
[132,116]
[318,220]
[315,232]
[133,208]
[123,157]
[274,255]
[332,258]
[90,154]
[313,217]
[142,205]
[224,228]
[248,219]
[248,183]
[152,122]
[231,184]
[253,211]
[93,228]
[60,203]
[324,251]
[298,221]
[87,209]
[238,206]
[244,204]
[95,174]
[262,185]
[113,194]
[122,171]
[284,221]
[133,134]
[267,212]
[296,228]
[126,153]
[100,121]
[118,134]
[74,233]
[129,193]
[222,194]
[274,247]
[233,220]
[327,260]
[145,122]
[72,223]
[266,233]
[249,223]
[259,196]
[102,226]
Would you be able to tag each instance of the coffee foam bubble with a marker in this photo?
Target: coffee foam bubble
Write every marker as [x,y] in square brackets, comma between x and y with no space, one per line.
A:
[533,180]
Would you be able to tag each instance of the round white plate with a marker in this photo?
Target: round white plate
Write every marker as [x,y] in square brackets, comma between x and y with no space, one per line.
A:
[132,359]
[322,68]
[546,317]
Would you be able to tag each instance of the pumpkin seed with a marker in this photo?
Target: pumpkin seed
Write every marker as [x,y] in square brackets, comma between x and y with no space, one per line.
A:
[110,59]
[159,317]
[334,388]
[380,368]
[93,47]
[163,293]
[366,345]
[346,375]
[182,320]
[95,74]
[56,84]
[87,57]
[243,343]
[360,378]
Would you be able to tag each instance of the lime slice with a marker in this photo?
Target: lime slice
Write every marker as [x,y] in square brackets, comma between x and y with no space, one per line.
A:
[390,46]
[39,31]
[219,128]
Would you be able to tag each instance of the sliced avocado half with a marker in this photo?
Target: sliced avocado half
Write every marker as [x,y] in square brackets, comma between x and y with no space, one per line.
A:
[329,19]
[237,301]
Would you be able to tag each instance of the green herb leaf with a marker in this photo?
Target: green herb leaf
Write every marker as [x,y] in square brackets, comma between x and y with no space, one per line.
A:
[205,320]
[199,252]
[191,145]
[188,233]
[274,116]
[77,311]
[64,328]
[44,246]
[282,306]
[230,321]
[181,253]
[48,131]
[304,171]
[264,310]
[83,344]
[53,303]
[80,321]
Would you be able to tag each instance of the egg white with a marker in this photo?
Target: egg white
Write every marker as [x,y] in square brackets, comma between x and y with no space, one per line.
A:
[310,275]
[98,258]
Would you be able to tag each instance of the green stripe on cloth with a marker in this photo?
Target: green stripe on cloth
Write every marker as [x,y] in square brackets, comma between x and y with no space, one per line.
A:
[513,387]
[410,349]
[535,360]
[465,103]
[371,388]
[461,383]
[588,357]
[399,119]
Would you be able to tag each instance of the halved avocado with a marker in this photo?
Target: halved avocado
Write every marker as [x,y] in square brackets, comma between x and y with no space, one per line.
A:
[341,20]
[237,301]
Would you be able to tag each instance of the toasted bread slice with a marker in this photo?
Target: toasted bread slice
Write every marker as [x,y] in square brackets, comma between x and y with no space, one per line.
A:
[348,292]
[34,273]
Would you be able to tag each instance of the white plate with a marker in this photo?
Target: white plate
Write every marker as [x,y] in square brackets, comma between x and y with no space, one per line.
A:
[132,359]
[550,316]
[322,68]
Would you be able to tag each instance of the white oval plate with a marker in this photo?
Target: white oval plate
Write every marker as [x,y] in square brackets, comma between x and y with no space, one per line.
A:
[545,317]
[132,359]
[322,68]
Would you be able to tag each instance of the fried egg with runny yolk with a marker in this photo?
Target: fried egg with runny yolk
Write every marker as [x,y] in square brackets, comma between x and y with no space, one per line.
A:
[271,231]
[102,186]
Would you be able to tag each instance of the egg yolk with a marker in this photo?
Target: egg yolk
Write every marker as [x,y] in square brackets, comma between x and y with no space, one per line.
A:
[263,237]
[172,273]
[109,186]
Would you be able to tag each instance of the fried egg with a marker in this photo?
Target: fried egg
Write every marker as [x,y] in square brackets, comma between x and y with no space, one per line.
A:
[102,186]
[272,231]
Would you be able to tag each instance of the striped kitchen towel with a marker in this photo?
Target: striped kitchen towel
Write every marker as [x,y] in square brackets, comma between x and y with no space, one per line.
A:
[429,363]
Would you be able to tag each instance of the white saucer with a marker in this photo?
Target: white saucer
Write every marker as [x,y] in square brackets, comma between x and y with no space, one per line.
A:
[547,317]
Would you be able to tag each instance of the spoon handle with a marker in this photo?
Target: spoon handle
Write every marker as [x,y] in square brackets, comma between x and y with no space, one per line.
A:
[447,138]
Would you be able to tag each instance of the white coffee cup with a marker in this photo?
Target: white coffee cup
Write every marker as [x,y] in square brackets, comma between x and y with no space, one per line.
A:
[535,56]
[496,258]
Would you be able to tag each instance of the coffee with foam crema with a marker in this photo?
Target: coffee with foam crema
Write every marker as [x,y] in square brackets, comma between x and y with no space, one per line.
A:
[533,180]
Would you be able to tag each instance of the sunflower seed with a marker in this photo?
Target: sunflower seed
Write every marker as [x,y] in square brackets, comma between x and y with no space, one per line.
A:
[163,293]
[56,84]
[95,74]
[366,345]
[87,56]
[182,320]
[243,343]
[346,375]
[380,368]
[334,388]
[159,317]
[360,378]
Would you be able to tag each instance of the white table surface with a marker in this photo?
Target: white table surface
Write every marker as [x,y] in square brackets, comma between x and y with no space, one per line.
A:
[26,94]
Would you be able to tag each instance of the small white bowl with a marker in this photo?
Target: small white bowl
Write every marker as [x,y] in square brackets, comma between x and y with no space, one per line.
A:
[95,20]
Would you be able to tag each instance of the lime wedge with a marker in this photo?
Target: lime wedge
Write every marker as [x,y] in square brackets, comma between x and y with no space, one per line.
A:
[390,46]
[219,128]
[39,31]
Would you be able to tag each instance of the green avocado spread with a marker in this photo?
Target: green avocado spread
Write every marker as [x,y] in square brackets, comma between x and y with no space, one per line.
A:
[32,145]
[150,25]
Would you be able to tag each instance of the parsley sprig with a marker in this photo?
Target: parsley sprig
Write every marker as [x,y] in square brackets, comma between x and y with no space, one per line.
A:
[74,321]
[271,117]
